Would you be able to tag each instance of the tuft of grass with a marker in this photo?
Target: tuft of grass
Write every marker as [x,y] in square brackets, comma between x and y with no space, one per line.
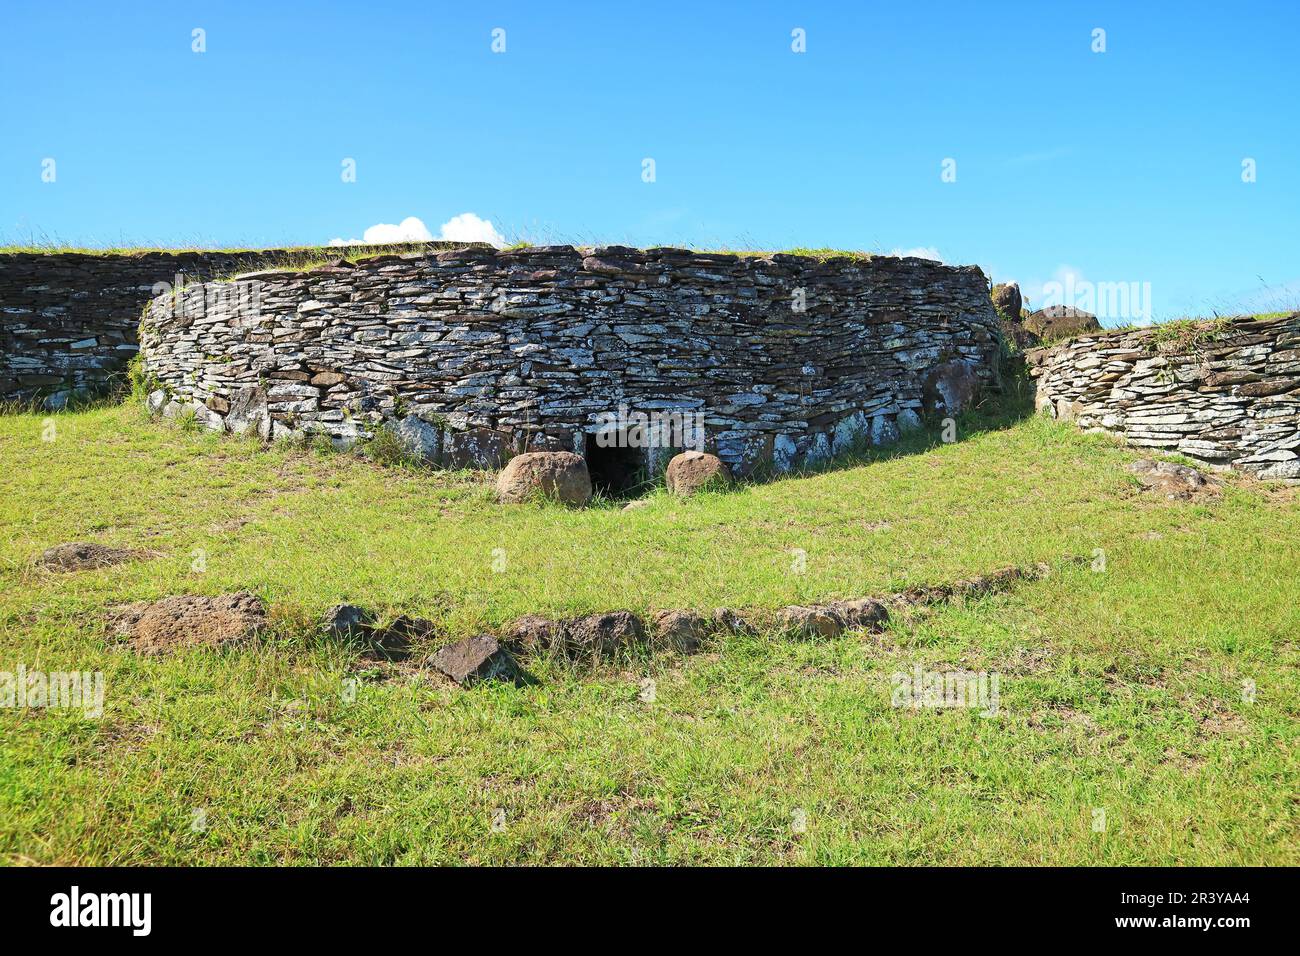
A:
[388,448]
[1187,335]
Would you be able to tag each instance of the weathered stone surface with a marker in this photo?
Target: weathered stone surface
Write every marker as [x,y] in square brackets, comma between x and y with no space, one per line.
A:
[476,658]
[347,621]
[951,387]
[731,621]
[681,631]
[1171,480]
[530,349]
[70,319]
[692,470]
[1213,395]
[559,475]
[1059,321]
[533,634]
[602,635]
[420,439]
[248,412]
[1006,299]
[865,613]
[86,555]
[481,448]
[395,641]
[189,621]
[811,622]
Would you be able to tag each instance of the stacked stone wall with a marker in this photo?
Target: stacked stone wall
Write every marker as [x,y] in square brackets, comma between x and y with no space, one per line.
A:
[69,321]
[1227,394]
[476,354]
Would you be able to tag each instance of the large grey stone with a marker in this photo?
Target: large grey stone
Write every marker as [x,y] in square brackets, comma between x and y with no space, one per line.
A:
[248,412]
[419,438]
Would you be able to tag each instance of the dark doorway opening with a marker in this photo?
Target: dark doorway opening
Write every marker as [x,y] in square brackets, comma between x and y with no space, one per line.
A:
[616,472]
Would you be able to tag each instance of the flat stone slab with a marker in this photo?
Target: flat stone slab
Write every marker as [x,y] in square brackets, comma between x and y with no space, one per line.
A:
[86,556]
[476,658]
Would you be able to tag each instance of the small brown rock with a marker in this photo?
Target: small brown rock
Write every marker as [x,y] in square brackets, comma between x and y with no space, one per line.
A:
[865,613]
[474,659]
[681,631]
[692,470]
[533,634]
[725,619]
[395,641]
[86,555]
[601,635]
[813,622]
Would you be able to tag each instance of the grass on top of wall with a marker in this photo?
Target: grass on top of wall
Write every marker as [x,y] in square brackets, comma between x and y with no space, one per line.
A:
[1154,689]
[1175,335]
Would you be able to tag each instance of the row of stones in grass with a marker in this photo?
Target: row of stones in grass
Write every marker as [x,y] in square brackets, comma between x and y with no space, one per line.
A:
[477,355]
[193,621]
[1225,393]
[69,321]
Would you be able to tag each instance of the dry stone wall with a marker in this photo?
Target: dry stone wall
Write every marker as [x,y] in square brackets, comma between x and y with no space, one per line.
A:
[69,321]
[473,355]
[1231,399]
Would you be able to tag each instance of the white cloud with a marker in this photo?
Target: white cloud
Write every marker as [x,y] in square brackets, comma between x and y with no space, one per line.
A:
[409,229]
[466,227]
[921,252]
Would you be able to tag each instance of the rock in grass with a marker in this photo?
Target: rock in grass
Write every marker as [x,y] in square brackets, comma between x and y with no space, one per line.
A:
[419,439]
[811,622]
[726,619]
[533,634]
[395,641]
[190,620]
[559,475]
[601,635]
[1173,481]
[865,613]
[346,621]
[249,412]
[476,658]
[692,470]
[681,631]
[86,555]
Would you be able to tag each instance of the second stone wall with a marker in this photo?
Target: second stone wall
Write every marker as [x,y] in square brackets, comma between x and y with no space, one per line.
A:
[479,354]
[68,320]
[1226,395]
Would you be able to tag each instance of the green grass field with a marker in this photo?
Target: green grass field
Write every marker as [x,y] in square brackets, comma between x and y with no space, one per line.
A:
[1156,686]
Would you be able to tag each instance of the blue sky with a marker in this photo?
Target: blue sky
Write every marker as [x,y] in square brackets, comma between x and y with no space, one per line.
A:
[1119,166]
